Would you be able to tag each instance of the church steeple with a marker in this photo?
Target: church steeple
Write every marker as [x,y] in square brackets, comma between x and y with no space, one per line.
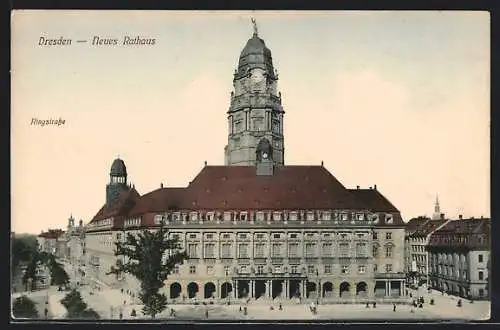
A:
[437,209]
[255,110]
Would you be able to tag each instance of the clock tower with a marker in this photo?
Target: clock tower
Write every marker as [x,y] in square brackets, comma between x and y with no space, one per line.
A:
[255,112]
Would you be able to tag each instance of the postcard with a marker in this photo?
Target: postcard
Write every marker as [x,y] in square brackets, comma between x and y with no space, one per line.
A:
[250,166]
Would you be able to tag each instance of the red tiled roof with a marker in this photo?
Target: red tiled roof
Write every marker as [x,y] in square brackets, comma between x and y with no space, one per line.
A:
[428,227]
[414,223]
[120,207]
[374,200]
[158,201]
[290,187]
[52,233]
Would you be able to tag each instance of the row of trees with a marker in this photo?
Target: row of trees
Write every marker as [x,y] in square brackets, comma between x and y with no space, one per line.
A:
[76,307]
[58,276]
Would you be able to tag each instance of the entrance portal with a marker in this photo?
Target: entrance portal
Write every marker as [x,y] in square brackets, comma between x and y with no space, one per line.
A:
[277,288]
[175,290]
[294,289]
[327,289]
[225,290]
[344,289]
[209,290]
[260,289]
[192,290]
[311,290]
[243,288]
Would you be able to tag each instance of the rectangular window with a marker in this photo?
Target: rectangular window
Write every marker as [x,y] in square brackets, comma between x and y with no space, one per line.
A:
[243,251]
[310,216]
[194,216]
[388,235]
[310,250]
[375,268]
[388,251]
[175,270]
[192,236]
[210,236]
[210,250]
[192,269]
[259,236]
[276,216]
[260,216]
[481,276]
[260,269]
[344,249]
[276,236]
[227,216]
[243,216]
[293,216]
[243,269]
[360,217]
[343,216]
[328,269]
[480,258]
[375,235]
[276,250]
[327,249]
[210,270]
[293,250]
[345,269]
[259,251]
[360,249]
[294,270]
[226,236]
[243,236]
[193,250]
[388,268]
[362,269]
[226,271]
[310,269]
[293,235]
[226,251]
[325,216]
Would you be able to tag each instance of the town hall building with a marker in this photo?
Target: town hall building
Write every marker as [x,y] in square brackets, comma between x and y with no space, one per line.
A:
[257,228]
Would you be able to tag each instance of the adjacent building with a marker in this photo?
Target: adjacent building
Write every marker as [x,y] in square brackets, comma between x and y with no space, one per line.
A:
[459,258]
[48,241]
[258,228]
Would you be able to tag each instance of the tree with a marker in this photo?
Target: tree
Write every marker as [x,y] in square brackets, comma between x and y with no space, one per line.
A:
[58,275]
[24,307]
[76,307]
[144,259]
[22,250]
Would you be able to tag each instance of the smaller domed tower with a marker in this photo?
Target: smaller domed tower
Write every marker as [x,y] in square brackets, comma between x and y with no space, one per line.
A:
[117,180]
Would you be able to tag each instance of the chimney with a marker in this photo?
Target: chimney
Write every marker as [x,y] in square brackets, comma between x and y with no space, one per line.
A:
[460,217]
[371,188]
[161,185]
[205,163]
[357,187]
[375,187]
[442,216]
[321,163]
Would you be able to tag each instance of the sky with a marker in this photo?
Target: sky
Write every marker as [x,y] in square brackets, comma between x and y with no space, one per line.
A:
[396,99]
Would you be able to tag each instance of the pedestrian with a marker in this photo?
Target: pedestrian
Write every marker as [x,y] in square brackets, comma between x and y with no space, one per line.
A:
[367,305]
[240,308]
[374,305]
[121,315]
[281,307]
[394,307]
[46,312]
[271,307]
[245,312]
[206,313]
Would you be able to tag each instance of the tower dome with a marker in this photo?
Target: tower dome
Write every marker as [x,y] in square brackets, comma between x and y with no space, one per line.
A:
[255,54]
[118,168]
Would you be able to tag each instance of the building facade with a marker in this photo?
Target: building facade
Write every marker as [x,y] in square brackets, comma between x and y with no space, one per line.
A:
[48,241]
[418,233]
[459,258]
[257,228]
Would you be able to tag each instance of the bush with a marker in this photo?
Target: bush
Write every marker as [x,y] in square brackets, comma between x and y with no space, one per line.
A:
[24,307]
[77,308]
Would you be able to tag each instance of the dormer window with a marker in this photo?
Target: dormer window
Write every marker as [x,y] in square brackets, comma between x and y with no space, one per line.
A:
[375,218]
[243,216]
[277,216]
[227,216]
[260,216]
[325,216]
[293,216]
[210,216]
[343,216]
[194,216]
[310,216]
[389,218]
[360,217]
[158,219]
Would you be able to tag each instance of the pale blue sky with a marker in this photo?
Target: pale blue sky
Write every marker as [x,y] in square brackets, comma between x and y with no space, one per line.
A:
[397,99]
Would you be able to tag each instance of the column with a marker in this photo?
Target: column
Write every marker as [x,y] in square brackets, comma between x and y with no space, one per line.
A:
[287,294]
[235,289]
[386,288]
[271,289]
[303,289]
[252,288]
[390,291]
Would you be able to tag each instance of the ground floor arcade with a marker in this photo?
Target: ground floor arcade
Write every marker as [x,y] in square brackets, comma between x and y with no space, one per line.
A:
[284,288]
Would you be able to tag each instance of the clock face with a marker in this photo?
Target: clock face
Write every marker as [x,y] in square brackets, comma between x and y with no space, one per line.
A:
[257,76]
[264,155]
